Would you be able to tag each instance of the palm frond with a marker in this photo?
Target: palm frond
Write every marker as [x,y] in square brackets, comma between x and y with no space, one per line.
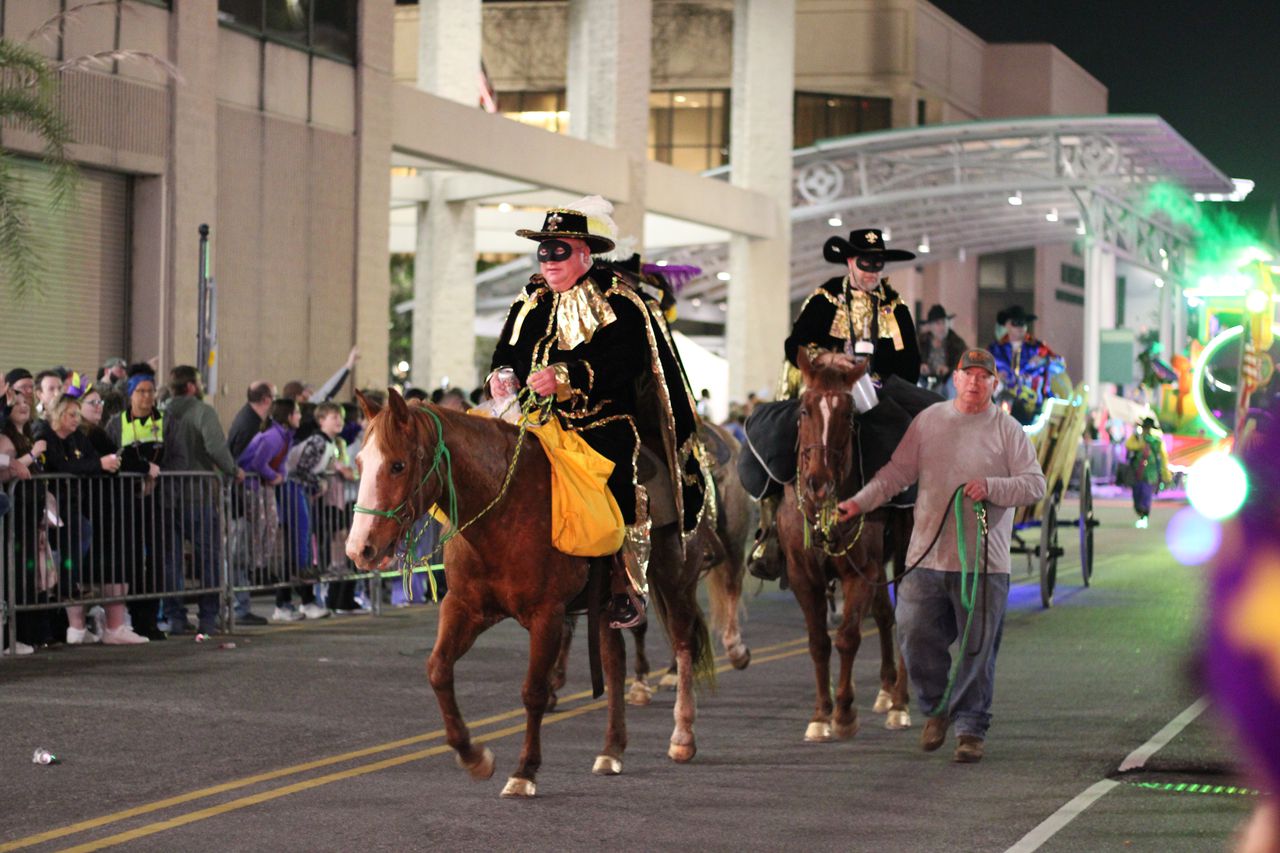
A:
[50,29]
[104,60]
[18,258]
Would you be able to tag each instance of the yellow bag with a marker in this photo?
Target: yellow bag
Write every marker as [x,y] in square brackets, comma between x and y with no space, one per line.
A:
[585,519]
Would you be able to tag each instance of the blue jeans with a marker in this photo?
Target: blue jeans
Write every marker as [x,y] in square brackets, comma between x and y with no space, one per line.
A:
[199,524]
[930,618]
[1143,493]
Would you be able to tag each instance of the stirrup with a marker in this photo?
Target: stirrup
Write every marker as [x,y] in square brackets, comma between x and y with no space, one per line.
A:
[627,610]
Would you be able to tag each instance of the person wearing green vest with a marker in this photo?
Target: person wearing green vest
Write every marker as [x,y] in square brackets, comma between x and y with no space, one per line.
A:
[139,433]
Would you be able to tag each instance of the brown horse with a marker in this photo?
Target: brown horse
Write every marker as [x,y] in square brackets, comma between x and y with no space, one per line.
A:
[501,564]
[819,551]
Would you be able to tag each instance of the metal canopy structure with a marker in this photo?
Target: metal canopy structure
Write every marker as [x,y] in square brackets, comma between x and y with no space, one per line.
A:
[947,191]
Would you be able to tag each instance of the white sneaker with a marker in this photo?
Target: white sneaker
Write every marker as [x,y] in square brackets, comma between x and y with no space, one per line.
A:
[1141,523]
[314,611]
[20,648]
[81,636]
[122,636]
[285,614]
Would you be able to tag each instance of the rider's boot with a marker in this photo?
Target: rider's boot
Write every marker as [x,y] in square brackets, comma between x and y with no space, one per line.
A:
[765,562]
[630,582]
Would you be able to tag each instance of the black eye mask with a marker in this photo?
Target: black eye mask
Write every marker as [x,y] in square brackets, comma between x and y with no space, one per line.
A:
[554,250]
[869,264]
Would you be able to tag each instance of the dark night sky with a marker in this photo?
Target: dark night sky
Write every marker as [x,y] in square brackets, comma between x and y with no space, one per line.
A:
[1208,68]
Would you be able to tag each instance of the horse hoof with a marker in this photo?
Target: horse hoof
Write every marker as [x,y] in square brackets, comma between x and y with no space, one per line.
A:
[640,693]
[898,720]
[846,731]
[669,681]
[482,769]
[740,656]
[818,733]
[682,753]
[884,702]
[607,766]
[517,787]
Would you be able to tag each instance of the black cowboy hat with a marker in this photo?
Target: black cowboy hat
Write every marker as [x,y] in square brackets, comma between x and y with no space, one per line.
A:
[561,223]
[937,312]
[864,241]
[1014,315]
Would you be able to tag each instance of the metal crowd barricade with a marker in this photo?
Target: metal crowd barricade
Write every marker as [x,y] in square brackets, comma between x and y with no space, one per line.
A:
[74,541]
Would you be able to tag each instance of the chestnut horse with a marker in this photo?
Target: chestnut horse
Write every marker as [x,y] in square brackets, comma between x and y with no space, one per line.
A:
[819,550]
[500,564]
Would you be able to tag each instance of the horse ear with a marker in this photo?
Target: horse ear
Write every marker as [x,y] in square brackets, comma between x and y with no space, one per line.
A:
[802,362]
[399,408]
[369,407]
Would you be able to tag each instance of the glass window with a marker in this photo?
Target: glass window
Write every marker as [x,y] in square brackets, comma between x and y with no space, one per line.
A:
[824,116]
[333,27]
[287,20]
[320,26]
[540,109]
[689,128]
[241,13]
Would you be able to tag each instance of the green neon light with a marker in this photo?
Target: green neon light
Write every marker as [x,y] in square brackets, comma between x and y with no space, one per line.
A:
[1216,427]
[1187,788]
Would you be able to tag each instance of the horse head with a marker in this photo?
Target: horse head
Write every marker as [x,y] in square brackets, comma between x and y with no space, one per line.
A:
[826,452]
[396,486]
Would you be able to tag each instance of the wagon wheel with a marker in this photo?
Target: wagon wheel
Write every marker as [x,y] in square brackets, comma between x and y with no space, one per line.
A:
[1086,524]
[1048,550]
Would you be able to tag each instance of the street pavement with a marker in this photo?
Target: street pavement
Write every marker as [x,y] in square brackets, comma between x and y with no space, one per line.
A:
[326,736]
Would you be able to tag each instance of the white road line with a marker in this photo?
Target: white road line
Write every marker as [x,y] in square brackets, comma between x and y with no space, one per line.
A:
[1135,760]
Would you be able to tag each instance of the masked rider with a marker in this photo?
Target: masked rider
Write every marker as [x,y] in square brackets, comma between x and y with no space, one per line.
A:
[855,316]
[580,333]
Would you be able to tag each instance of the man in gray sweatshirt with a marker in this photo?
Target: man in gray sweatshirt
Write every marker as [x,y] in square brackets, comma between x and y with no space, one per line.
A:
[966,443]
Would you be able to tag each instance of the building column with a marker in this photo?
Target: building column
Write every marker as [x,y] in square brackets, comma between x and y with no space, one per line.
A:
[1099,310]
[192,179]
[608,91]
[444,270]
[1166,320]
[371,293]
[759,310]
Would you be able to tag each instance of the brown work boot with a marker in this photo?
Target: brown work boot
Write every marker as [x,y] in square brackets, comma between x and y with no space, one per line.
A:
[935,732]
[969,751]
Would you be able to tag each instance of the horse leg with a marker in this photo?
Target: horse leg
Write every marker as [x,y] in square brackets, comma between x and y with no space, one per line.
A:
[811,594]
[458,628]
[640,693]
[545,631]
[558,677]
[724,588]
[688,634]
[892,697]
[613,659]
[857,596]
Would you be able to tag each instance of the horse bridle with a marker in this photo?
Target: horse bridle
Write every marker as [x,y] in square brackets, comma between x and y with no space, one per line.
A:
[441,452]
[828,511]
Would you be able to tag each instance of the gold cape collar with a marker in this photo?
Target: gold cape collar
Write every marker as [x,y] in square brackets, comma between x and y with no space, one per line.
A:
[580,311]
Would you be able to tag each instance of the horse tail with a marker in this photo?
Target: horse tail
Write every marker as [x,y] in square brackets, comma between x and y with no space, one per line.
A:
[704,662]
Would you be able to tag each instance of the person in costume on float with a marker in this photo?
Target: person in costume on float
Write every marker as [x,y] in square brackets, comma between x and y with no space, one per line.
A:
[851,317]
[1027,366]
[580,334]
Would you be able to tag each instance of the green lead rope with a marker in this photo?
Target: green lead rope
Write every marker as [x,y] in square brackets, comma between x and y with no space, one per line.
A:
[968,587]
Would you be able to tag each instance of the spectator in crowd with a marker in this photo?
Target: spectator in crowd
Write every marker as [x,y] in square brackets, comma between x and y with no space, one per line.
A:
[453,398]
[113,374]
[304,393]
[69,451]
[248,421]
[20,457]
[704,403]
[139,433]
[48,384]
[414,395]
[108,549]
[21,384]
[194,441]
[266,456]
[320,464]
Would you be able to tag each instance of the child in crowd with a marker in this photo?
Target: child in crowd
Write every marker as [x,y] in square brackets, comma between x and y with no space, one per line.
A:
[1148,467]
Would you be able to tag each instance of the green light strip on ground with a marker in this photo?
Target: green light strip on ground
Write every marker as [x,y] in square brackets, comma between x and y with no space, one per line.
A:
[1185,788]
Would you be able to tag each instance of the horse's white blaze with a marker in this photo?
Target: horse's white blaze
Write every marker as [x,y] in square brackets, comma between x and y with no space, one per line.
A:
[370,461]
[825,407]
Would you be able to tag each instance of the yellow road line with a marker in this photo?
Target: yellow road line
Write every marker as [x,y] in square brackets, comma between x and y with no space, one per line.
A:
[201,793]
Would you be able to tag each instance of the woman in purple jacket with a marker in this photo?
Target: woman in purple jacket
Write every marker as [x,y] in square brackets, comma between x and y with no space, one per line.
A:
[266,457]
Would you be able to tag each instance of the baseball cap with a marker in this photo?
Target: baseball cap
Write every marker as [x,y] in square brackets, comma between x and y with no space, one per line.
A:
[978,358]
